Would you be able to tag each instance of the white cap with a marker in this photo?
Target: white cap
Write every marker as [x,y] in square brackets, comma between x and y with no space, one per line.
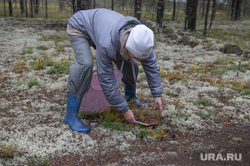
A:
[140,41]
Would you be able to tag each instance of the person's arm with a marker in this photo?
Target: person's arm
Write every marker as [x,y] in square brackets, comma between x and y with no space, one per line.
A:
[108,82]
[109,85]
[152,71]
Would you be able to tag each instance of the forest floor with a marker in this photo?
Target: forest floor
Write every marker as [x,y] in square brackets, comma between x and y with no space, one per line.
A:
[206,103]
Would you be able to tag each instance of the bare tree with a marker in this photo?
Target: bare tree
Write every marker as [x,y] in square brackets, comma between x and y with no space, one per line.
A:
[238,10]
[174,7]
[123,4]
[203,8]
[26,8]
[78,5]
[74,6]
[46,6]
[213,13]
[206,17]
[10,9]
[31,8]
[245,7]
[233,9]
[104,3]
[160,14]
[22,6]
[187,15]
[36,6]
[83,4]
[152,3]
[137,9]
[60,5]
[112,5]
[4,8]
[191,13]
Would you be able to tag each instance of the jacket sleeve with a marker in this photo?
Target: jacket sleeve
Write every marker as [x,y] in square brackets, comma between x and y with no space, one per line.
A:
[152,71]
[108,82]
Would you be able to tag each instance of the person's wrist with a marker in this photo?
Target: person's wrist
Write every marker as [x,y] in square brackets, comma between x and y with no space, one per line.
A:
[126,111]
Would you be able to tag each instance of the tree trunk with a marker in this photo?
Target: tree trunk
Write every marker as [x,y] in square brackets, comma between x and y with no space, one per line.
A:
[206,17]
[22,6]
[36,5]
[203,8]
[233,9]
[104,3]
[123,5]
[83,4]
[4,8]
[153,13]
[238,10]
[31,8]
[46,8]
[174,7]
[228,9]
[26,8]
[160,14]
[78,5]
[10,9]
[187,14]
[112,5]
[213,13]
[126,7]
[94,4]
[74,6]
[137,9]
[193,15]
[245,8]
[60,5]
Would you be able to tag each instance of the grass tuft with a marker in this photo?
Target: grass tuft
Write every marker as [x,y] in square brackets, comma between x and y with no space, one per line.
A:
[42,47]
[33,83]
[7,151]
[246,92]
[202,101]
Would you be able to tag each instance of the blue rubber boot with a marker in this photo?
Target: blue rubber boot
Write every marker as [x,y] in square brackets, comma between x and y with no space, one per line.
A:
[130,94]
[73,105]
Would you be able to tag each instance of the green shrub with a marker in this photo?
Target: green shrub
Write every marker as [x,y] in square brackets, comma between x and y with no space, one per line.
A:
[143,132]
[246,92]
[114,125]
[20,83]
[28,51]
[201,114]
[179,114]
[52,70]
[42,47]
[202,101]
[33,83]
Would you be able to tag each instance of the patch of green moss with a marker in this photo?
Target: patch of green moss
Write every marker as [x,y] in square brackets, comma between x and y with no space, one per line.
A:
[33,83]
[202,101]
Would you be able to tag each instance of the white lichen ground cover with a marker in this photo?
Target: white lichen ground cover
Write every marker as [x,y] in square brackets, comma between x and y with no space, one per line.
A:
[31,117]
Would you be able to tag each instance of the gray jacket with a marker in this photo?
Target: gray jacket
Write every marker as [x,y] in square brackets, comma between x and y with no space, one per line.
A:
[104,28]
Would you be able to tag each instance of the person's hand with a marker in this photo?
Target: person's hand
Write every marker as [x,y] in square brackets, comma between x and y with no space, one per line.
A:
[159,104]
[129,116]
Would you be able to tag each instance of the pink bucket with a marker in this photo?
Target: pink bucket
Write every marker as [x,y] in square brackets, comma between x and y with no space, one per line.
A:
[94,101]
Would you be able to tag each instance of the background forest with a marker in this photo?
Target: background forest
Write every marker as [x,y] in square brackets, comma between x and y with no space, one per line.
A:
[202,49]
[184,12]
